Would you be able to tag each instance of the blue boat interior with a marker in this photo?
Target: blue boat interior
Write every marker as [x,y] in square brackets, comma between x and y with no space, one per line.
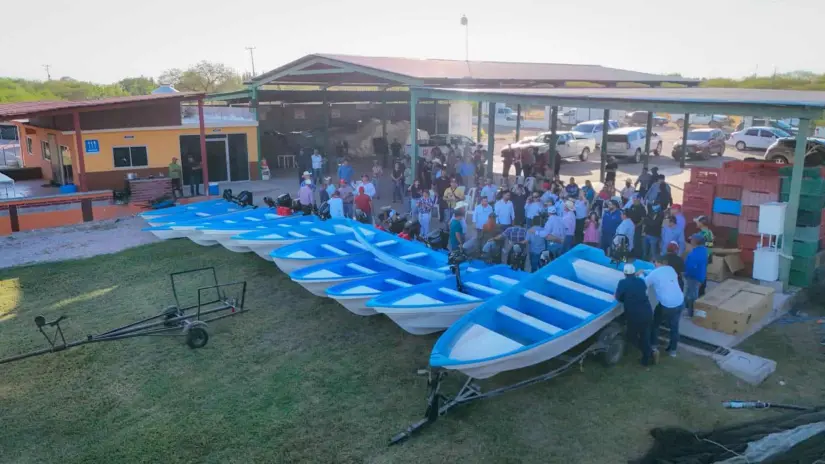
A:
[384,282]
[182,208]
[280,229]
[362,266]
[563,296]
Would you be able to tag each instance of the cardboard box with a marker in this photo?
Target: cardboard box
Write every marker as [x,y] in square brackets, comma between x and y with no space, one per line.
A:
[724,263]
[733,306]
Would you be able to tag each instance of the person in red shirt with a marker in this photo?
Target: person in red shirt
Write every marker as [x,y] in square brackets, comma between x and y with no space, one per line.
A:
[363,202]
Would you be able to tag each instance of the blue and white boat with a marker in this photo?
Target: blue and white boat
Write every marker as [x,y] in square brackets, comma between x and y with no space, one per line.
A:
[355,294]
[435,306]
[286,232]
[321,250]
[207,211]
[320,277]
[548,313]
[197,206]
[222,228]
[186,224]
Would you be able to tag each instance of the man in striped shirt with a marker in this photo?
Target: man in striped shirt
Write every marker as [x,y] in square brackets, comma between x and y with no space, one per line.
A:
[425,207]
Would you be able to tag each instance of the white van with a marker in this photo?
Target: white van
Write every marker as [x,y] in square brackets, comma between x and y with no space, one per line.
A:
[629,142]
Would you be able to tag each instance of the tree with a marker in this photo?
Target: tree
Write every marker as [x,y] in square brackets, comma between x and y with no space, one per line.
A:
[138,85]
[204,76]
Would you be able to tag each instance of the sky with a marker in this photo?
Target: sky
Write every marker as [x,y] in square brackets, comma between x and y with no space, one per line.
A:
[97,41]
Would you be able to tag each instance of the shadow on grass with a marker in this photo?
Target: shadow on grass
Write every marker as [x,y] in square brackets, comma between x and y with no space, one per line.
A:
[300,379]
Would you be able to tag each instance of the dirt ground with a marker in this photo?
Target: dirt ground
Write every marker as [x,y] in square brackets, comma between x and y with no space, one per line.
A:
[73,242]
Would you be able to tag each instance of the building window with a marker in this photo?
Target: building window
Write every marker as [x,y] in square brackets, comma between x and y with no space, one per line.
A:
[45,150]
[129,157]
[29,145]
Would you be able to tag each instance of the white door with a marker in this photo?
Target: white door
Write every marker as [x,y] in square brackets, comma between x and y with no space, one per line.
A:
[766,138]
[751,138]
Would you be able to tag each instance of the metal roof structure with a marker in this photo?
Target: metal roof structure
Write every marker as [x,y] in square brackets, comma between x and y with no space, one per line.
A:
[9,111]
[745,102]
[330,69]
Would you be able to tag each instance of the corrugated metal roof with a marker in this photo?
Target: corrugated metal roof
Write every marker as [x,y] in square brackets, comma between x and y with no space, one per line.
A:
[433,70]
[786,98]
[28,109]
[500,70]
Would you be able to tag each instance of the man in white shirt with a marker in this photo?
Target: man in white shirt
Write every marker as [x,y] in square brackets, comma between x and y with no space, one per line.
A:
[554,232]
[369,189]
[665,284]
[626,228]
[505,214]
[336,205]
[317,165]
[489,191]
[481,213]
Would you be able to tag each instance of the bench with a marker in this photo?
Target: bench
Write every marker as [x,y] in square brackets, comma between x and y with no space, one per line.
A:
[527,319]
[557,305]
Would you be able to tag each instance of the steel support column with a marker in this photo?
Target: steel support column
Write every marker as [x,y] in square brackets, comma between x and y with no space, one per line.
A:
[204,164]
[257,109]
[685,129]
[81,160]
[491,136]
[793,201]
[478,124]
[384,126]
[553,145]
[435,117]
[649,131]
[413,135]
[603,151]
[518,122]
[327,109]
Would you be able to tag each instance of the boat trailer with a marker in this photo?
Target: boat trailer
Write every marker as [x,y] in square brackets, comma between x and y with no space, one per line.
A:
[190,322]
[609,345]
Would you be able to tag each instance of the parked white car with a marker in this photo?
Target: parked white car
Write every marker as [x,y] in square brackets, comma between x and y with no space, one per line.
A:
[593,130]
[573,116]
[567,145]
[629,142]
[712,120]
[760,137]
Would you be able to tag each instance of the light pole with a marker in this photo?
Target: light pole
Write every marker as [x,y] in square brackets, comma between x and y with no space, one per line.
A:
[466,23]
[252,57]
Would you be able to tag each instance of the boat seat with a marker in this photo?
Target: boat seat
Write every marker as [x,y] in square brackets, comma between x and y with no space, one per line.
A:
[503,280]
[597,275]
[385,243]
[251,219]
[417,299]
[230,221]
[557,305]
[331,248]
[398,283]
[457,294]
[296,234]
[301,254]
[527,319]
[203,214]
[479,342]
[360,268]
[590,291]
[321,231]
[419,254]
[482,288]
[356,244]
[359,289]
[271,236]
[321,274]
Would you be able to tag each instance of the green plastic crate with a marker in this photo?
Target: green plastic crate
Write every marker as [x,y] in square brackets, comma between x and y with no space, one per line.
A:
[808,218]
[807,202]
[803,264]
[809,186]
[807,234]
[801,278]
[807,173]
[805,249]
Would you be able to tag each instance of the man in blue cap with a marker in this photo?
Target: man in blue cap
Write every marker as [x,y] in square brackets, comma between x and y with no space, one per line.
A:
[696,269]
[632,293]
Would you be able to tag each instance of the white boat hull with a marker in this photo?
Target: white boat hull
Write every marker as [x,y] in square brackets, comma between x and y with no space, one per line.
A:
[261,247]
[423,321]
[319,288]
[540,353]
[167,234]
[287,265]
[357,304]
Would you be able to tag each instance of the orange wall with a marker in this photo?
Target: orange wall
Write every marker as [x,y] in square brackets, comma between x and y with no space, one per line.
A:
[35,158]
[161,145]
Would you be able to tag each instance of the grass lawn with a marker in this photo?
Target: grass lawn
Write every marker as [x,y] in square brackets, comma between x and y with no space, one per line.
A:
[300,379]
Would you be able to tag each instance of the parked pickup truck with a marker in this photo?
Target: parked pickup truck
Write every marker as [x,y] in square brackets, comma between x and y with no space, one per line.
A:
[567,145]
[711,120]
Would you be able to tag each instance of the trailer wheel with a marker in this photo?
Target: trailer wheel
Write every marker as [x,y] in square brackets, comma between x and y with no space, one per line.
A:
[612,343]
[196,337]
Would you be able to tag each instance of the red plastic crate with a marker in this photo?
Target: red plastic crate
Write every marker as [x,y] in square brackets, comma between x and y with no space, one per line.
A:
[762,167]
[750,213]
[756,198]
[699,190]
[746,255]
[704,175]
[729,192]
[692,213]
[699,204]
[762,184]
[725,220]
[731,177]
[747,227]
[747,241]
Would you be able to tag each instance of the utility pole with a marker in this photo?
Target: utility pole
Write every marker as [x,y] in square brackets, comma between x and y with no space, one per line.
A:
[252,57]
[48,74]
[466,23]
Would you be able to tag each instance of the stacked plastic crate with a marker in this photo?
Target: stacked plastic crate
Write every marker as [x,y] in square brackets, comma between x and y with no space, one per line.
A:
[727,206]
[809,222]
[760,186]
[698,196]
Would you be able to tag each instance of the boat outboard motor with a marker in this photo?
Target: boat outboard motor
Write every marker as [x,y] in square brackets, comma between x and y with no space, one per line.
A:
[362,217]
[437,239]
[517,257]
[284,200]
[396,223]
[413,227]
[244,198]
[270,202]
[227,194]
[455,259]
[619,250]
[323,211]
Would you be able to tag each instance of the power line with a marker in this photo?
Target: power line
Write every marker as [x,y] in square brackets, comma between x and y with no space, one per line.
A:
[47,67]
[252,57]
